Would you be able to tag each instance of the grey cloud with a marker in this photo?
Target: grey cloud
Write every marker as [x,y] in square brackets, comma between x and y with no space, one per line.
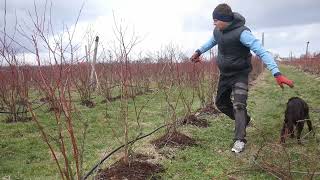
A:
[275,13]
[288,24]
[63,13]
[284,40]
[260,14]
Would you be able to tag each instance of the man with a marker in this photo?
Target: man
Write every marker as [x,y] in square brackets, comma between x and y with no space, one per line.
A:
[234,42]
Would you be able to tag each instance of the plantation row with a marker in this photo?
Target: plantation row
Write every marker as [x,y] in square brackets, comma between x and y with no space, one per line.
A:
[60,87]
[60,92]
[16,82]
[310,65]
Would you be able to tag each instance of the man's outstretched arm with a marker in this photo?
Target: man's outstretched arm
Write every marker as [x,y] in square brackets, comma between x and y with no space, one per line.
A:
[208,45]
[250,41]
[204,48]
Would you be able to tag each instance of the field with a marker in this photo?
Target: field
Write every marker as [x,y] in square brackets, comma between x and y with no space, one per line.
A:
[25,155]
[81,110]
[266,105]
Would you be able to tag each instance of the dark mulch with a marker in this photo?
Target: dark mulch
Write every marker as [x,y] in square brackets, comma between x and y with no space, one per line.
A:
[137,169]
[18,119]
[110,99]
[193,120]
[141,157]
[149,91]
[54,109]
[209,109]
[88,103]
[174,139]
[45,99]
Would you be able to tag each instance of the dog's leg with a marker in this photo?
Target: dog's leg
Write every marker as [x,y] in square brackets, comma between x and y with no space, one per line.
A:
[291,129]
[306,111]
[309,122]
[310,127]
[299,128]
[283,133]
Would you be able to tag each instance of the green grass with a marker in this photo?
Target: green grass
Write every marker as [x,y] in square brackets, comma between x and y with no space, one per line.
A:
[24,155]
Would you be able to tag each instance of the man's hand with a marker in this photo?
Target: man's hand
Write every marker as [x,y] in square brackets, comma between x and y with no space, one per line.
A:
[281,79]
[195,57]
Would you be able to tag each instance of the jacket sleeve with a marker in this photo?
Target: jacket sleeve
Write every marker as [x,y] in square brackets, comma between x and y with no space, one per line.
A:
[208,45]
[248,40]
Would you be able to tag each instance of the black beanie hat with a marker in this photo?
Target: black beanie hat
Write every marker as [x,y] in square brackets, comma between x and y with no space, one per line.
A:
[223,12]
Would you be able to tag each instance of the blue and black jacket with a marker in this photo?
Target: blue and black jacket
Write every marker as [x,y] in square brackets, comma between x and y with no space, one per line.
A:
[234,45]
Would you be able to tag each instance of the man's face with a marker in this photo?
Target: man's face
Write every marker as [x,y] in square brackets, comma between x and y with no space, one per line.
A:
[221,25]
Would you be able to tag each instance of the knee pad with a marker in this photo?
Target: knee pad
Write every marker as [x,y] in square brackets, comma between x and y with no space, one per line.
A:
[240,88]
[239,106]
[221,107]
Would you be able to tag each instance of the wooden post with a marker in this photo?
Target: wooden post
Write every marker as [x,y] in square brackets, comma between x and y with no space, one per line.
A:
[93,76]
[307,49]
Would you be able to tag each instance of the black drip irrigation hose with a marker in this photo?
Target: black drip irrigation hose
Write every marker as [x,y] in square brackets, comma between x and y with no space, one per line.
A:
[130,142]
[115,150]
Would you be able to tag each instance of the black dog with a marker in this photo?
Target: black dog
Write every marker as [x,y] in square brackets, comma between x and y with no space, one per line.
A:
[296,114]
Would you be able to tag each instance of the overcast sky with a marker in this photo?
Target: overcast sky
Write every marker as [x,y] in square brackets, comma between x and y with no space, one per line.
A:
[287,24]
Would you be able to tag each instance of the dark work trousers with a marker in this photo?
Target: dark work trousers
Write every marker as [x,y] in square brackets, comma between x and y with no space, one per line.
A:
[236,109]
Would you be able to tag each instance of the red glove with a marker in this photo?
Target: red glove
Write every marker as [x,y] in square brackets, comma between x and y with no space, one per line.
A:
[281,79]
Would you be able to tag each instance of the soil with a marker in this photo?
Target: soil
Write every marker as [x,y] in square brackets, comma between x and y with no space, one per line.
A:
[45,99]
[54,109]
[88,103]
[193,120]
[174,139]
[149,91]
[51,107]
[209,109]
[137,169]
[19,119]
[111,99]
